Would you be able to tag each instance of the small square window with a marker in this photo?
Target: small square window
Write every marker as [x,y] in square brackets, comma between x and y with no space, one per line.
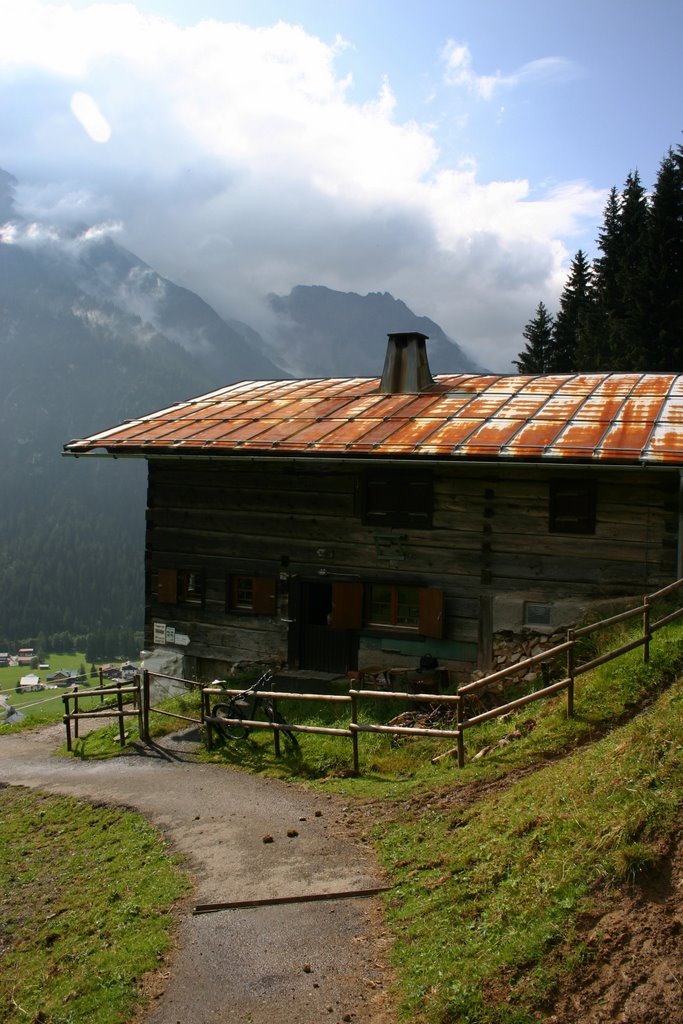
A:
[393,606]
[257,594]
[243,592]
[180,586]
[572,507]
[190,587]
[391,500]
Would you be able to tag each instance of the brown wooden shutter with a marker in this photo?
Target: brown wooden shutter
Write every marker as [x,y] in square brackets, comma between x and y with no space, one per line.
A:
[431,612]
[347,606]
[167,586]
[265,595]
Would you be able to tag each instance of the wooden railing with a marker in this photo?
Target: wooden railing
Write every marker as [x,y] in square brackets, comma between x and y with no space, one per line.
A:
[119,709]
[570,650]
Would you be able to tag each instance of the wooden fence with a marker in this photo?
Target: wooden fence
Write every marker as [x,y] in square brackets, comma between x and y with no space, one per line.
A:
[118,709]
[570,651]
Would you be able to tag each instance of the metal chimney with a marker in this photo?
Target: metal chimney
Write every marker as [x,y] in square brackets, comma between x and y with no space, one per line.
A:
[406,368]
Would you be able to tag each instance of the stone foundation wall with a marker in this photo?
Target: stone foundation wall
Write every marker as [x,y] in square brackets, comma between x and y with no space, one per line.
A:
[510,648]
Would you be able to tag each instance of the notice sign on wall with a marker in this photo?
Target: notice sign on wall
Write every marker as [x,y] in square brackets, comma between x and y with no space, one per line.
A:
[159,632]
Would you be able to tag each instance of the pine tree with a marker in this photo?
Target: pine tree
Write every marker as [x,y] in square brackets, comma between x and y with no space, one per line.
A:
[539,335]
[594,348]
[573,316]
[664,270]
[628,322]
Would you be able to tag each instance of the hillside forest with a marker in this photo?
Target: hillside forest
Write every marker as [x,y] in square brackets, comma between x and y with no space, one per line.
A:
[624,310]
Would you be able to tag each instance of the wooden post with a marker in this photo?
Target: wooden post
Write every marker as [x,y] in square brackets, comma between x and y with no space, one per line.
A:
[75,690]
[570,674]
[354,734]
[145,706]
[67,721]
[206,715]
[101,686]
[276,731]
[460,712]
[138,696]
[646,629]
[119,704]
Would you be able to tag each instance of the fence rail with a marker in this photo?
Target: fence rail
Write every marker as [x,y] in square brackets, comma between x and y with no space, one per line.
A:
[571,648]
[119,711]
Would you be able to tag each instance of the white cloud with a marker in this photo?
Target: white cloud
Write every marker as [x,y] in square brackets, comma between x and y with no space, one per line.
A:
[239,164]
[459,72]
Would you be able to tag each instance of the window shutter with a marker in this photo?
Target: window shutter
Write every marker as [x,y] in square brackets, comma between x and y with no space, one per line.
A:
[167,586]
[347,605]
[265,595]
[431,612]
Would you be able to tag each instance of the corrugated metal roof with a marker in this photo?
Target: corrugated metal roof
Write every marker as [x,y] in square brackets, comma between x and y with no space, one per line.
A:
[606,417]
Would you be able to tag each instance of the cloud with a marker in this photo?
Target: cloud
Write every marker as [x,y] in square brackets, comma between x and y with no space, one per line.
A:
[238,164]
[460,73]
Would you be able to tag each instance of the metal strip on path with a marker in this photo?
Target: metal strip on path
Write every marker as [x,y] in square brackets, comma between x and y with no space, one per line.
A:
[273,901]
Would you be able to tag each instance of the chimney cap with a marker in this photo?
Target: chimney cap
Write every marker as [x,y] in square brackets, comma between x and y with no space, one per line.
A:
[406,368]
[405,336]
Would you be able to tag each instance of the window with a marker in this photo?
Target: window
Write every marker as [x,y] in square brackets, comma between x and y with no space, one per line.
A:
[256,594]
[572,507]
[180,586]
[393,500]
[393,606]
[419,609]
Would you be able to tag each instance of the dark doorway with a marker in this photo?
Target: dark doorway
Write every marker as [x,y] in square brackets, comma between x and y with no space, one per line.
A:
[321,645]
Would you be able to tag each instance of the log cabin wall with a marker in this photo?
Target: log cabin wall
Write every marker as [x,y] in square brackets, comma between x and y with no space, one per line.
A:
[291,524]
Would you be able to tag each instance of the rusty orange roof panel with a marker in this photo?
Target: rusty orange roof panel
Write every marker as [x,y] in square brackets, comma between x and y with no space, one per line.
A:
[618,418]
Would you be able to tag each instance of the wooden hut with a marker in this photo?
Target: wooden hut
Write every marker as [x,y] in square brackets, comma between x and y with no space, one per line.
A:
[340,523]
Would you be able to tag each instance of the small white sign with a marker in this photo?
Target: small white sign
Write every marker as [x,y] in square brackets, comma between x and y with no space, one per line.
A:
[159,632]
[182,639]
[170,634]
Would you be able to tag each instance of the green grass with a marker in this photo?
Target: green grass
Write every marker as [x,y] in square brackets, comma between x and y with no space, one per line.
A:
[492,892]
[496,865]
[86,908]
[43,706]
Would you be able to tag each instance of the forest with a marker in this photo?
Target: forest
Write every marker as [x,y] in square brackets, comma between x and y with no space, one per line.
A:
[624,310]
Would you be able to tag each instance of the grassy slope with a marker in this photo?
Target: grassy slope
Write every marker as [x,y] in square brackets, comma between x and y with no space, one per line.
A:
[495,865]
[87,895]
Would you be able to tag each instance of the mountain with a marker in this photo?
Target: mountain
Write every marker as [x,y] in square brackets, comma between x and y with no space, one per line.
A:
[90,335]
[320,332]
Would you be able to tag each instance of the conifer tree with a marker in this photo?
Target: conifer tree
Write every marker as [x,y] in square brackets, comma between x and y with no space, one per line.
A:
[573,315]
[664,270]
[627,343]
[539,335]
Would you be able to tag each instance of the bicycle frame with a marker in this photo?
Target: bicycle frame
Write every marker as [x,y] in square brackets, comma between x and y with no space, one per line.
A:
[230,715]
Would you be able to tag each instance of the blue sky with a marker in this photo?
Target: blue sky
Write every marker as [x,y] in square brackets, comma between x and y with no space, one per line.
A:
[455,154]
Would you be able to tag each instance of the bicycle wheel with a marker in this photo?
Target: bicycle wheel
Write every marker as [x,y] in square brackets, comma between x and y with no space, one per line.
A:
[276,717]
[232,730]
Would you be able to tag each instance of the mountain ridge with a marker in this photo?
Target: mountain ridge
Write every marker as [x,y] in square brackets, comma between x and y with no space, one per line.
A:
[91,335]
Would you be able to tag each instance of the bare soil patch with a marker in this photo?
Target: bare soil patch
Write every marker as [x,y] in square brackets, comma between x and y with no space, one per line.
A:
[634,974]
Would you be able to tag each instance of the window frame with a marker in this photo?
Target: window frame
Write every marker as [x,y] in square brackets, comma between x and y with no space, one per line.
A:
[572,507]
[430,602]
[186,587]
[389,499]
[263,594]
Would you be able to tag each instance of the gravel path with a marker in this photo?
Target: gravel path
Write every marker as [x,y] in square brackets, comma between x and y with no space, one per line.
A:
[311,961]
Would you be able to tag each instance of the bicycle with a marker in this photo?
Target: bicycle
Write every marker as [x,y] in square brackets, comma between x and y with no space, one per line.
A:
[230,715]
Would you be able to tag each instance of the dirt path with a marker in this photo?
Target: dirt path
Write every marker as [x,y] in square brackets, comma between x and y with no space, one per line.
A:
[314,961]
